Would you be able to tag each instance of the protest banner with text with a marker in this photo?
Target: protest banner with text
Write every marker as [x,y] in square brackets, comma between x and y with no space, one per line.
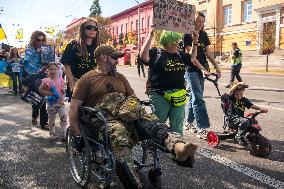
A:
[173,15]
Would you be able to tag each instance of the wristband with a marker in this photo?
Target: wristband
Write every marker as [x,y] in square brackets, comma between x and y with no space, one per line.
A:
[195,44]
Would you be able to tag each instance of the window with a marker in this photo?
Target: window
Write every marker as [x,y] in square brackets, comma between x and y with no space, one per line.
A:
[131,28]
[228,15]
[121,28]
[126,28]
[247,10]
[142,23]
[149,21]
[205,14]
[137,25]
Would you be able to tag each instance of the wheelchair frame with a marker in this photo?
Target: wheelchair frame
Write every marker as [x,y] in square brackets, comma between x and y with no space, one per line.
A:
[98,160]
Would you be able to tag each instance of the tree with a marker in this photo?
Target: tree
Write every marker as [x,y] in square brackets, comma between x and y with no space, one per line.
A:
[126,41]
[120,39]
[132,39]
[103,23]
[95,9]
[266,40]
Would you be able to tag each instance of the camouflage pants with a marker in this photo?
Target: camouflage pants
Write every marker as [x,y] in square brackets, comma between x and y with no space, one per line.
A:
[52,110]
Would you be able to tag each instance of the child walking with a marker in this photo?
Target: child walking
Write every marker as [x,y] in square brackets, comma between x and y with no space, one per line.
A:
[53,88]
[239,104]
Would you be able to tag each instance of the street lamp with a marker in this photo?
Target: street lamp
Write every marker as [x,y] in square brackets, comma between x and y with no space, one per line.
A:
[138,25]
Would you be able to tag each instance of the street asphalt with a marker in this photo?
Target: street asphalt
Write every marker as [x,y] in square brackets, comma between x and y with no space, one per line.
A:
[29,159]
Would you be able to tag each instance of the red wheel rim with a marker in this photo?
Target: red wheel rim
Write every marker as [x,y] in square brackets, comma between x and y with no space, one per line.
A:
[212,139]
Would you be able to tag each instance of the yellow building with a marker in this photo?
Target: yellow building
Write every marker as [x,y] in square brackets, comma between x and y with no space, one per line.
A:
[242,21]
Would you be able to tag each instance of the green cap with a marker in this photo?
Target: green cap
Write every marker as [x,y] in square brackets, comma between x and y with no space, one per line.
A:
[108,50]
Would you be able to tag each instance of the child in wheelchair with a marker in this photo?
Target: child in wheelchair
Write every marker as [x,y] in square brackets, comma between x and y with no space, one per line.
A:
[236,108]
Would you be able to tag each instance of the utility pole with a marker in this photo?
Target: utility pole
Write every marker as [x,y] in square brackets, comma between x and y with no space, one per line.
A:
[138,26]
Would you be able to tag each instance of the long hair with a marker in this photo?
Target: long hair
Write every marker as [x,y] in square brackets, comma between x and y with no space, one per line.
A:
[34,37]
[198,13]
[12,54]
[81,37]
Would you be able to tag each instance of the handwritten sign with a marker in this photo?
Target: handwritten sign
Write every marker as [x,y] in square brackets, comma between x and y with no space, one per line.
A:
[173,15]
[33,98]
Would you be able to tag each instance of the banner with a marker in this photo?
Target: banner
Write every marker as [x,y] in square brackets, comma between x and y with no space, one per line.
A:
[20,34]
[2,33]
[173,15]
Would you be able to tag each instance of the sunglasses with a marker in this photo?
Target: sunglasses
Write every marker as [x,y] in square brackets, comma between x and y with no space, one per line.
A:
[39,40]
[91,27]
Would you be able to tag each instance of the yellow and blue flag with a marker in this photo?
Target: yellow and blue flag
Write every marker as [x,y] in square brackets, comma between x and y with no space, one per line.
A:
[2,33]
[20,34]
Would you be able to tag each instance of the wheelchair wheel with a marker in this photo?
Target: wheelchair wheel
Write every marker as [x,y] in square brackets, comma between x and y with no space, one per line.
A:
[79,163]
[154,179]
[263,150]
[213,139]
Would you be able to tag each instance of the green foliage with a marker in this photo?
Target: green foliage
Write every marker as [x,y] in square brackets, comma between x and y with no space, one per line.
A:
[95,9]
[120,39]
[103,23]
[132,39]
[126,41]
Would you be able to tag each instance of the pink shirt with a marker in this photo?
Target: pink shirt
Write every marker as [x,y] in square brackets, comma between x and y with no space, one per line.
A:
[59,85]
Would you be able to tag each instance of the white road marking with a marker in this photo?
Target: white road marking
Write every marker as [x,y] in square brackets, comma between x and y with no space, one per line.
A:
[243,169]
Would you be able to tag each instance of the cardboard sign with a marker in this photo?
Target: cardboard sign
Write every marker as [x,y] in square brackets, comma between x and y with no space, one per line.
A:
[47,54]
[173,15]
[33,98]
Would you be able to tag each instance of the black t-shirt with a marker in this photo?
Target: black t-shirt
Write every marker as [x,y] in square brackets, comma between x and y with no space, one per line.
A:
[239,106]
[168,72]
[79,65]
[203,41]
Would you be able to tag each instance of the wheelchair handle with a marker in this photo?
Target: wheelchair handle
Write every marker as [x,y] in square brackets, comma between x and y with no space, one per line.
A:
[148,103]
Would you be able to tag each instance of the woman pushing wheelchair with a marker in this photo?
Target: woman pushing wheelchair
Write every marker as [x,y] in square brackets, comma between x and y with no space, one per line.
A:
[109,91]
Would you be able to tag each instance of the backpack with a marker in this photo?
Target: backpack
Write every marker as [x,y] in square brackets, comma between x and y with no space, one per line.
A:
[226,104]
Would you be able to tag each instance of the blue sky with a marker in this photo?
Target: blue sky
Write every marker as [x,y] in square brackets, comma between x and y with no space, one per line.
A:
[38,14]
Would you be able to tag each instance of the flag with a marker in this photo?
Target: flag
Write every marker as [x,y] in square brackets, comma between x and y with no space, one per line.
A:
[20,34]
[50,30]
[2,33]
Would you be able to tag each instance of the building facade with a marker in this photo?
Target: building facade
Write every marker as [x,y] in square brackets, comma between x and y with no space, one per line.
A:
[227,21]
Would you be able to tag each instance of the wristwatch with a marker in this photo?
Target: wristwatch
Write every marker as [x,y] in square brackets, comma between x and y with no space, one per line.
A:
[195,44]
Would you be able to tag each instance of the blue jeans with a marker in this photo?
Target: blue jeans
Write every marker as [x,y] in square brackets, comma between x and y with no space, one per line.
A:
[196,106]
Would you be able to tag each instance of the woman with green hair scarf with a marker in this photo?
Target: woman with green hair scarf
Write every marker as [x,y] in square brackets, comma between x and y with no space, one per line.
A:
[166,83]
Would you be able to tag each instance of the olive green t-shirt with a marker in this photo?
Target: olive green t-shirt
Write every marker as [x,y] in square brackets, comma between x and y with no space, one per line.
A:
[93,86]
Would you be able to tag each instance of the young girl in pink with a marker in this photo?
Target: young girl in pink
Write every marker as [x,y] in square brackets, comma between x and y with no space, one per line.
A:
[53,88]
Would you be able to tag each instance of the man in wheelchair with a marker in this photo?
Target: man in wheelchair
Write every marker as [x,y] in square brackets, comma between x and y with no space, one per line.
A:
[109,91]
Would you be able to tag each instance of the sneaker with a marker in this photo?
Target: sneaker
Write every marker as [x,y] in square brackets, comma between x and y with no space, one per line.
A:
[202,134]
[191,128]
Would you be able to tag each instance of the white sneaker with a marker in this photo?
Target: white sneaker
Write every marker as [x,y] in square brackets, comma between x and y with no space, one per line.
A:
[191,128]
[202,134]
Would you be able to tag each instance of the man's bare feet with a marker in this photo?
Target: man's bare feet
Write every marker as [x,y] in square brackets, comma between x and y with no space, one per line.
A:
[183,151]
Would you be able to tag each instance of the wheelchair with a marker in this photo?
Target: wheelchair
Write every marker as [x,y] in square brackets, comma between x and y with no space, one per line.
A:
[98,160]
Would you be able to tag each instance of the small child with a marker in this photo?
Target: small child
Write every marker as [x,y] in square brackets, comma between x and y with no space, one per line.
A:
[53,88]
[239,103]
